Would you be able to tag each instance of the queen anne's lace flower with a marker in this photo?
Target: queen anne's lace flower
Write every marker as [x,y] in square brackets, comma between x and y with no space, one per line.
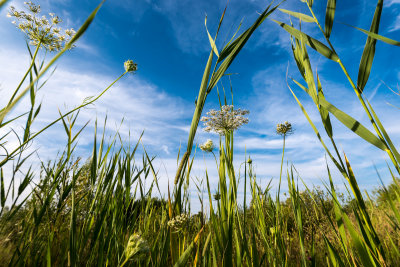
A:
[226,119]
[39,30]
[177,223]
[284,128]
[208,146]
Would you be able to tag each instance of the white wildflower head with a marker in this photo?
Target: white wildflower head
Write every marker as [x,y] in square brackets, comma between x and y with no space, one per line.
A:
[40,30]
[130,66]
[284,128]
[226,119]
[136,248]
[178,223]
[208,146]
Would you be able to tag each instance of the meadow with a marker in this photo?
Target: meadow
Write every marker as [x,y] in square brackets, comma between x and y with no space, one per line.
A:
[106,210]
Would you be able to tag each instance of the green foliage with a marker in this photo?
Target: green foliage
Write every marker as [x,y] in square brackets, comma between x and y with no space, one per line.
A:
[105,211]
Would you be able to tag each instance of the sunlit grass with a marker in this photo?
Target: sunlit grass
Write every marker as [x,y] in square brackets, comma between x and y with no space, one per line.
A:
[103,212]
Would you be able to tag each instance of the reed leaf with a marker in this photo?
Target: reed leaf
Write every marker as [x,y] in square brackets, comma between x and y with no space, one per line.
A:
[329,16]
[311,42]
[369,50]
[377,36]
[353,124]
[301,16]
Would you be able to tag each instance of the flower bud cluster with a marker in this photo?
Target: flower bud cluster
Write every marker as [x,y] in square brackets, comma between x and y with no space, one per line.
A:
[177,224]
[130,66]
[39,29]
[284,128]
[208,146]
[136,248]
[226,119]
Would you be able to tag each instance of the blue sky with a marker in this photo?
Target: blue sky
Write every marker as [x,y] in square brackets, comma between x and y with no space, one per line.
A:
[168,40]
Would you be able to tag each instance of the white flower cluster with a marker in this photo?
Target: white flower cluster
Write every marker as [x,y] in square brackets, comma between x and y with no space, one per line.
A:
[178,222]
[136,248]
[284,128]
[40,30]
[226,119]
[208,146]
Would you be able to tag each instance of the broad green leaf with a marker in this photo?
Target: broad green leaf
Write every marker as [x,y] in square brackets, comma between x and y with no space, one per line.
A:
[353,124]
[303,17]
[313,43]
[311,91]
[297,57]
[378,37]
[369,50]
[329,16]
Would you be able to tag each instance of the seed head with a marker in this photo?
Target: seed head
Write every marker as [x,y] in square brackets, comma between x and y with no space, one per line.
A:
[130,66]
[226,119]
[208,146]
[284,128]
[217,196]
[136,248]
[39,30]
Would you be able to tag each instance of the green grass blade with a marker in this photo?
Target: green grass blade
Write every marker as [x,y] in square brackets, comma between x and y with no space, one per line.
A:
[212,41]
[377,36]
[329,16]
[324,113]
[229,53]
[301,16]
[2,191]
[2,3]
[369,50]
[78,34]
[353,125]
[311,42]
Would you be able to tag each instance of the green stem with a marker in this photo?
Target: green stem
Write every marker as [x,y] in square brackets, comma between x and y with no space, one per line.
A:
[280,174]
[4,161]
[26,74]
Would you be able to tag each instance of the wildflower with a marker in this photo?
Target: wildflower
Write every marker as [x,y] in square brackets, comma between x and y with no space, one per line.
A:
[284,128]
[226,119]
[39,30]
[177,223]
[137,247]
[130,66]
[217,196]
[208,146]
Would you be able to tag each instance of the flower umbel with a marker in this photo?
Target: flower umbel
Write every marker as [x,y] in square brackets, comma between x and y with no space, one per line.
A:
[40,30]
[130,66]
[208,146]
[226,119]
[178,222]
[284,128]
[136,248]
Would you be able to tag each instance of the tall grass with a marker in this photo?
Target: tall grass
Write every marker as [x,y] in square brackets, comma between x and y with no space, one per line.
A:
[103,212]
